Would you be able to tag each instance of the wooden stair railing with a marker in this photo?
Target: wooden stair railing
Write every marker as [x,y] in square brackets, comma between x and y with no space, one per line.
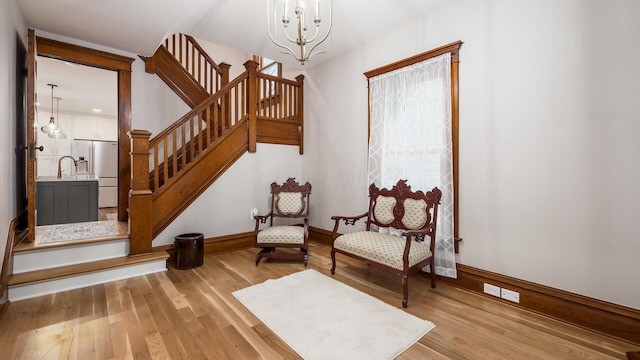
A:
[197,62]
[178,146]
[171,170]
[187,69]
[280,110]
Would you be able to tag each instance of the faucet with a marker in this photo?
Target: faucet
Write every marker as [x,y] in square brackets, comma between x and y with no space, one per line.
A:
[75,163]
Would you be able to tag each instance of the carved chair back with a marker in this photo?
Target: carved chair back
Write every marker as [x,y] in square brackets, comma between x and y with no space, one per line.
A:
[290,200]
[403,209]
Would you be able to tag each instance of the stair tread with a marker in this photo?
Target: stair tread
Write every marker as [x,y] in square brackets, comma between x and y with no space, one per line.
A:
[75,269]
[26,247]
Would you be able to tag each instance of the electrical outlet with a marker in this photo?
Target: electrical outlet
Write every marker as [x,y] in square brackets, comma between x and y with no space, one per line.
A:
[253,213]
[491,290]
[510,295]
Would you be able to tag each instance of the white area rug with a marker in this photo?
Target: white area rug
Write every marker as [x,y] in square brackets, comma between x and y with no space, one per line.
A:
[78,231]
[322,318]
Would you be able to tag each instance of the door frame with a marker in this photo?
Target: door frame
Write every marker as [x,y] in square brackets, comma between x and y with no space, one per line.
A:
[108,61]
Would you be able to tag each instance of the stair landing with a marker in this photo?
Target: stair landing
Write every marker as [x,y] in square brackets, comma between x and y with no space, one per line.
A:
[40,269]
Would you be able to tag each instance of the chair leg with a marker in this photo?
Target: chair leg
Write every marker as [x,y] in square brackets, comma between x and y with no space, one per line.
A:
[262,251]
[405,291]
[433,275]
[333,261]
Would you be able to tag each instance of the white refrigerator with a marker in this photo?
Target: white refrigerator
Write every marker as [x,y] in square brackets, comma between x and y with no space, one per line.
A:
[102,161]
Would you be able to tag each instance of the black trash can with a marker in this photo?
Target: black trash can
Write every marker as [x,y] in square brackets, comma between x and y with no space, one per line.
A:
[189,250]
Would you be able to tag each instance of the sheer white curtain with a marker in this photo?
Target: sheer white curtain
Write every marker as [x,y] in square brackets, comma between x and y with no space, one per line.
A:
[410,138]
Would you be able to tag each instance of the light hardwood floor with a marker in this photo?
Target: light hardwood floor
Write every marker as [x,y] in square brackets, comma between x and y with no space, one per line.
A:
[191,314]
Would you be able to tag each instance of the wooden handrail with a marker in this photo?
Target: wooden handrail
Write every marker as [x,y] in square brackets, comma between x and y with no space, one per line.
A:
[208,102]
[204,53]
[173,150]
[279,99]
[197,62]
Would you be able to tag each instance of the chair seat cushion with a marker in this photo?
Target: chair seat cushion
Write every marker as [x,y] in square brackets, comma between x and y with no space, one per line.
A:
[381,248]
[281,235]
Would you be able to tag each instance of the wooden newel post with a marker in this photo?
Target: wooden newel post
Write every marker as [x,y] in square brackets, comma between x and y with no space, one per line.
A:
[140,201]
[224,77]
[252,103]
[300,111]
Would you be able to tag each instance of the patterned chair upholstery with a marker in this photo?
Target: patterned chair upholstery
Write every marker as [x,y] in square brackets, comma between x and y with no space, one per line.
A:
[412,214]
[288,201]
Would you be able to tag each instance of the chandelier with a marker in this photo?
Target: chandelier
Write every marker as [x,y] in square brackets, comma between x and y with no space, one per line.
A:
[298,42]
[52,128]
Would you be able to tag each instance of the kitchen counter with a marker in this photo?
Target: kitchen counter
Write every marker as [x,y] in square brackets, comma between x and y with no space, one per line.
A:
[68,178]
[66,200]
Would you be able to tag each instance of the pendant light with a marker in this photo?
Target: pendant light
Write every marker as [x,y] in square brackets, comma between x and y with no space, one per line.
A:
[51,128]
[295,40]
[60,134]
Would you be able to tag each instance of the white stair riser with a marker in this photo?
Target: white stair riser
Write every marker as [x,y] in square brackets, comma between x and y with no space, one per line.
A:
[30,290]
[61,256]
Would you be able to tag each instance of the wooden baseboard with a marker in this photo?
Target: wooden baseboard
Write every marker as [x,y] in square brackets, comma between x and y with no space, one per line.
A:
[321,236]
[228,243]
[606,318]
[603,317]
[216,245]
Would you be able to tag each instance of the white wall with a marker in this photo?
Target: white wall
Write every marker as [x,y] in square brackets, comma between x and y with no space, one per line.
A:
[224,208]
[549,125]
[223,54]
[11,26]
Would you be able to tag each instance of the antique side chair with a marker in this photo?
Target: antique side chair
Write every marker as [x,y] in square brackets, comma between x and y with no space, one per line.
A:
[288,201]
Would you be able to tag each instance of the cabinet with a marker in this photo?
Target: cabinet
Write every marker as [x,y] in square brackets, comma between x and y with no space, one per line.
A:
[66,201]
[95,128]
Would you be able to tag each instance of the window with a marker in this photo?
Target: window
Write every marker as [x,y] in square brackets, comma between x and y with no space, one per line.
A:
[413,134]
[268,66]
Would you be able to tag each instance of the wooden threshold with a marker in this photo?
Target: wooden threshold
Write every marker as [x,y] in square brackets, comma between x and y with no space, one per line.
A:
[83,268]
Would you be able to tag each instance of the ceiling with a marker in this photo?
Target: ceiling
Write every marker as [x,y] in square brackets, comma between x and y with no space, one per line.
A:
[140,26]
[81,88]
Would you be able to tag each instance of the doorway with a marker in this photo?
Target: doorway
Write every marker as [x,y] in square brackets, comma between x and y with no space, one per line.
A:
[122,66]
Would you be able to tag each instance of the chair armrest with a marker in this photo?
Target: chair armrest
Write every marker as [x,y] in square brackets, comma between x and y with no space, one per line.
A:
[421,234]
[348,220]
[261,219]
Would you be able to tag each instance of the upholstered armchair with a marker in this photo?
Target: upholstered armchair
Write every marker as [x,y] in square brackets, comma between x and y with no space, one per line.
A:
[288,201]
[414,214]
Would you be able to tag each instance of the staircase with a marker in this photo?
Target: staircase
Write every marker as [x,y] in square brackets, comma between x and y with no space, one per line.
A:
[228,118]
